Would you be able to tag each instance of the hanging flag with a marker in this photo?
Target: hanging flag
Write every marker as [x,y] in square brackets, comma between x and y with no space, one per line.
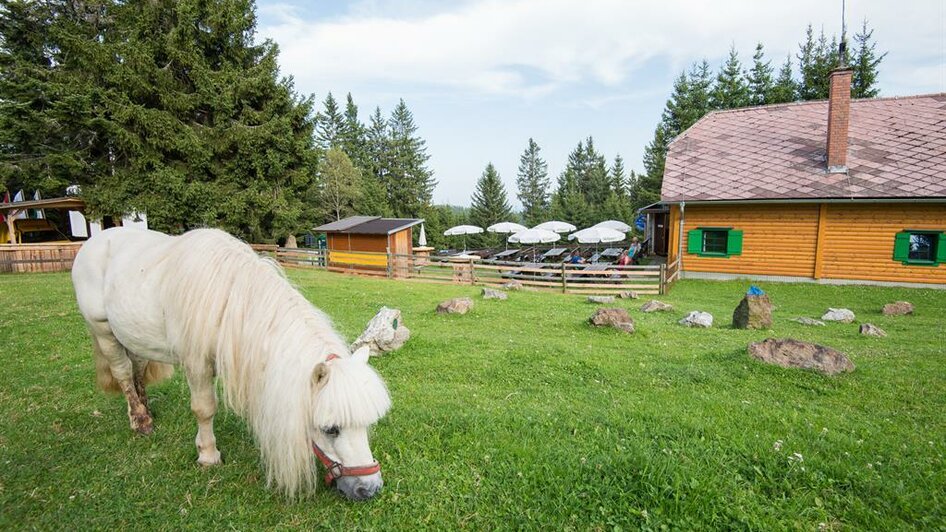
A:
[37,213]
[6,199]
[19,197]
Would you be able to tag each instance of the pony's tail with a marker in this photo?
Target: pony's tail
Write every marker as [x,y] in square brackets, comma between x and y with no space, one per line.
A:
[154,372]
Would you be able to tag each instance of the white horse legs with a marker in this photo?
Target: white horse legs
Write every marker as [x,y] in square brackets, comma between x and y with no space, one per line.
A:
[204,406]
[128,376]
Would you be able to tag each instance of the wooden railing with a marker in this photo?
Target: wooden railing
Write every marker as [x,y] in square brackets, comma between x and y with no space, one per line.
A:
[560,277]
[21,258]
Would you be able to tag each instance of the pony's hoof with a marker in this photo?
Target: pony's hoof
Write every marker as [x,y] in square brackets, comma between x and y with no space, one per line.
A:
[143,426]
[209,459]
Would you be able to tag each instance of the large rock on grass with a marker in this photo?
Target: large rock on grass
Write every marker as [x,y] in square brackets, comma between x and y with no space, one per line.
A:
[458,305]
[628,294]
[613,317]
[869,329]
[753,312]
[898,308]
[513,285]
[601,300]
[809,321]
[698,319]
[789,353]
[384,333]
[838,314]
[656,306]
[492,293]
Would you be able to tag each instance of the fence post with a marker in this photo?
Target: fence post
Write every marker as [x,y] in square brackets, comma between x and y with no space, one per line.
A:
[390,262]
[564,281]
[472,273]
[663,279]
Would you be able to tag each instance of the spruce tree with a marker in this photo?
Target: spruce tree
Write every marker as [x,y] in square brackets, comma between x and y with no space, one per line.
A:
[596,182]
[178,113]
[410,183]
[618,176]
[533,184]
[489,204]
[865,64]
[759,78]
[378,151]
[730,90]
[329,124]
[352,135]
[785,89]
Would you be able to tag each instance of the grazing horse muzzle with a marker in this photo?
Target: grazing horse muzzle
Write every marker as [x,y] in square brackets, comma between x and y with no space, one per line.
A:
[358,483]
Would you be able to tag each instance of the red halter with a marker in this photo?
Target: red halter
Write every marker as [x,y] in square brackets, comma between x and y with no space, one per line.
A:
[335,469]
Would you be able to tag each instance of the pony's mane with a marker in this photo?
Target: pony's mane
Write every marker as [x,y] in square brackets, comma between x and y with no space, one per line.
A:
[267,339]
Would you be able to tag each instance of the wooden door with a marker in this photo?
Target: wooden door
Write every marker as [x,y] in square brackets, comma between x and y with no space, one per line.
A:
[661,233]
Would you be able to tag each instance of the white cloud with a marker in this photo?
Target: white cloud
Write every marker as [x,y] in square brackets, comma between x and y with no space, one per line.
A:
[533,47]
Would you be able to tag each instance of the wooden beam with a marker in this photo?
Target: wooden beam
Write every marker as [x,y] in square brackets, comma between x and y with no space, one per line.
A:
[819,242]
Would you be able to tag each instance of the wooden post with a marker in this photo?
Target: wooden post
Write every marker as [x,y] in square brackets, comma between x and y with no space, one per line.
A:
[663,279]
[472,273]
[11,214]
[390,261]
[564,281]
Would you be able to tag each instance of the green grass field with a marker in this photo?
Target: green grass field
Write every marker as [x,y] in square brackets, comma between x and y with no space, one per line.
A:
[517,415]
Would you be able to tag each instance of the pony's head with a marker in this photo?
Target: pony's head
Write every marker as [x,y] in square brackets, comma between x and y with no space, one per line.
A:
[348,397]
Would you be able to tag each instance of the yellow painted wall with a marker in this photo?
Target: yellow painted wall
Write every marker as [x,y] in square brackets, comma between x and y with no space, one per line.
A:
[783,239]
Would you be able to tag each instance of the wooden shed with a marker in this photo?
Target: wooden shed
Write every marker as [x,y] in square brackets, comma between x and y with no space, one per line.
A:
[365,243]
[831,191]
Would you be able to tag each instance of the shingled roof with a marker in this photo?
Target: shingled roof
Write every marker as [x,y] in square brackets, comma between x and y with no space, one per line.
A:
[368,225]
[897,149]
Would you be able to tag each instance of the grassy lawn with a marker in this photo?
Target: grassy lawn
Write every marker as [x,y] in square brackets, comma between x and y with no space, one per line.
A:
[517,415]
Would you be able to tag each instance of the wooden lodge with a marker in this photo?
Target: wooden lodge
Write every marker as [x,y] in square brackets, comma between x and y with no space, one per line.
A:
[363,244]
[830,191]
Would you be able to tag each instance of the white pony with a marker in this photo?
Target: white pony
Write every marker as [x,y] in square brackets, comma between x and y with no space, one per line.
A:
[207,302]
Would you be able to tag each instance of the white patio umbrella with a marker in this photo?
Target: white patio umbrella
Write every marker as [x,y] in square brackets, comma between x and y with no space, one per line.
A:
[422,239]
[463,230]
[556,226]
[614,224]
[506,227]
[596,235]
[534,236]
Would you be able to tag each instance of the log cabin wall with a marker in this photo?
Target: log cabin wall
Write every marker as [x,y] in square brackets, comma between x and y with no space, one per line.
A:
[853,241]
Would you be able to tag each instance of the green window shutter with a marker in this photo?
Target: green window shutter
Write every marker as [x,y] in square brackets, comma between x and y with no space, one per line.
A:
[941,248]
[901,247]
[695,241]
[734,243]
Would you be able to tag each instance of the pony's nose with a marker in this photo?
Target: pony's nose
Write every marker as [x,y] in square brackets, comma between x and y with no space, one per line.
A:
[364,492]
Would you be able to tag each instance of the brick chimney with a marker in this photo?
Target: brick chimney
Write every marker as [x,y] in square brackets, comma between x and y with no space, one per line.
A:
[839,115]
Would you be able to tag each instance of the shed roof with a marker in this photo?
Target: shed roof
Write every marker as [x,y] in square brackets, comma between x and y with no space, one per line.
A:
[896,149]
[369,225]
[66,202]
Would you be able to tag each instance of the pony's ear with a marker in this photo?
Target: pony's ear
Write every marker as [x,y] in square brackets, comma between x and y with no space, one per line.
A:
[361,354]
[319,374]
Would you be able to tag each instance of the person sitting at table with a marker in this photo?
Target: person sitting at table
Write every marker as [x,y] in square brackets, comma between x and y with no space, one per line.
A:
[575,258]
[634,249]
[624,259]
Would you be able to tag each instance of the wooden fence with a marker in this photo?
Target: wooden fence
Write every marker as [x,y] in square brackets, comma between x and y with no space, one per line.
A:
[560,277]
[21,258]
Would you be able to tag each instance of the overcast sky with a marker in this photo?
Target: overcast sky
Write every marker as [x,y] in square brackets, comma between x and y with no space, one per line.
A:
[482,76]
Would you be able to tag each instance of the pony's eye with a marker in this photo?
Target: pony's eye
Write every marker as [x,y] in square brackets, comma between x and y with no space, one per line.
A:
[331,431]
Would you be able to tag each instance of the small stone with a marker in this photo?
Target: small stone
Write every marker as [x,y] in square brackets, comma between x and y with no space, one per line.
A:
[869,329]
[492,293]
[656,306]
[842,315]
[601,300]
[898,308]
[613,317]
[385,332]
[459,305]
[790,353]
[753,312]
[809,321]
[513,285]
[697,319]
[628,294]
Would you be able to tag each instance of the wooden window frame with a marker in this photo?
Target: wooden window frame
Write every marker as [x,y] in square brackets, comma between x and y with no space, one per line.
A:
[734,242]
[901,251]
